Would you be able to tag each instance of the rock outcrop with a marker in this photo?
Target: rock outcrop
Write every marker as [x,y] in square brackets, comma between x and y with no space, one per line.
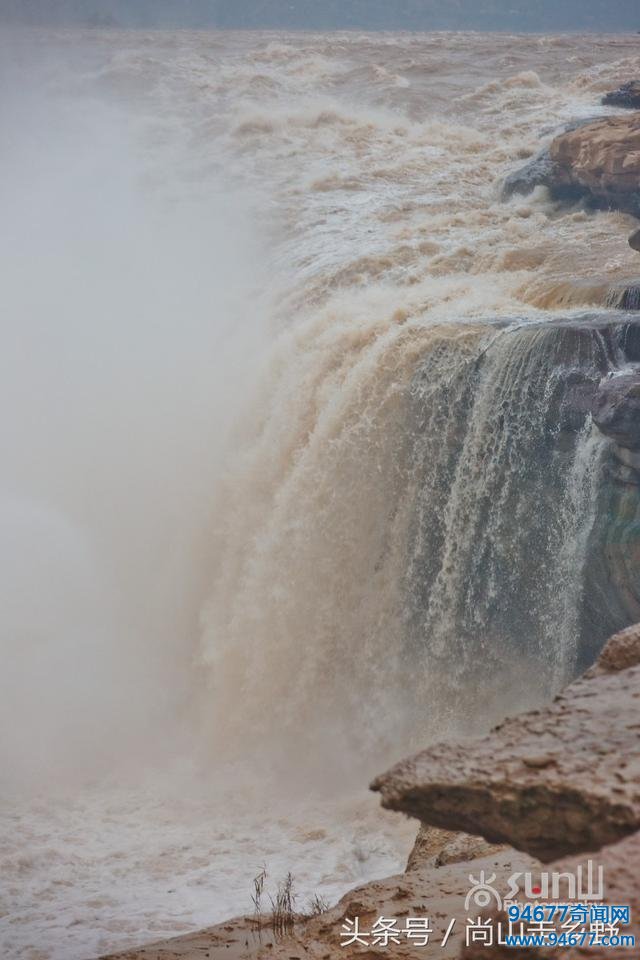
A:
[551,782]
[598,161]
[627,95]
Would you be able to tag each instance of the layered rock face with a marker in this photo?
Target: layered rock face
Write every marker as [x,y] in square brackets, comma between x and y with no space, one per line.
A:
[598,160]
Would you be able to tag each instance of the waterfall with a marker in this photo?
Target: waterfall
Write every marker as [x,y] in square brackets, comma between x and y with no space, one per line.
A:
[414,560]
[509,464]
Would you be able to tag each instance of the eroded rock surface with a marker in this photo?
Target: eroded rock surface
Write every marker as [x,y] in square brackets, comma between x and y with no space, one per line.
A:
[552,782]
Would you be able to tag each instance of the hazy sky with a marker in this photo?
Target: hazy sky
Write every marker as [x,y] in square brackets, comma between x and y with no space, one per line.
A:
[525,15]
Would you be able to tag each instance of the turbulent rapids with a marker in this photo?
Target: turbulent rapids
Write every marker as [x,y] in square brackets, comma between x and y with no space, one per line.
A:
[310,472]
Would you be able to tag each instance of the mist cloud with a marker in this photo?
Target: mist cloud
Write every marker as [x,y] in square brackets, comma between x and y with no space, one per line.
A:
[127,348]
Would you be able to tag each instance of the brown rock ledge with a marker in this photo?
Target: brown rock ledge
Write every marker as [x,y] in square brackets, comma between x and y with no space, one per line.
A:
[598,160]
[601,159]
[552,782]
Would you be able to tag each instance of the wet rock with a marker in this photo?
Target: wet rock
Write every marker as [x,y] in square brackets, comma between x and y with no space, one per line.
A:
[538,172]
[580,798]
[616,409]
[627,95]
